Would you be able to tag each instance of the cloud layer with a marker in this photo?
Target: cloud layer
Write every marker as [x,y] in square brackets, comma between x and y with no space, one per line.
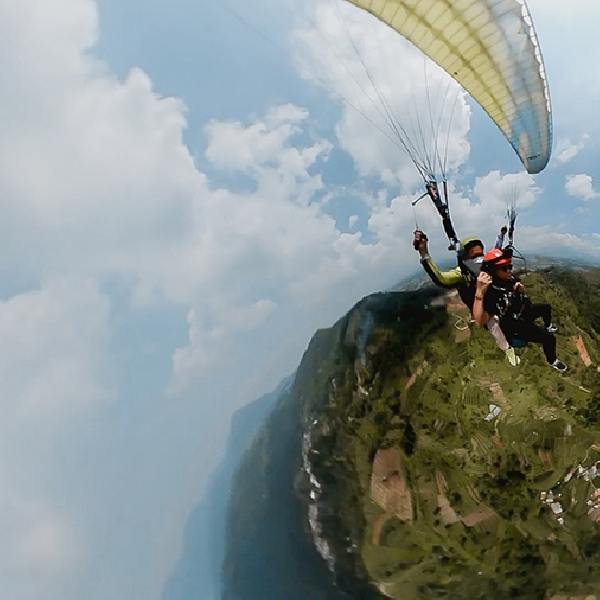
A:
[145,294]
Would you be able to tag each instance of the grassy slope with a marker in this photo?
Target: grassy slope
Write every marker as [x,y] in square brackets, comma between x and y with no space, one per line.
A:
[356,392]
[439,426]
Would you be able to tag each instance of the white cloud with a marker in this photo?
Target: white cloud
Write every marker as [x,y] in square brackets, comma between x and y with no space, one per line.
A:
[40,549]
[101,206]
[512,189]
[350,53]
[215,345]
[95,186]
[55,373]
[566,150]
[54,351]
[233,146]
[42,545]
[581,186]
[547,239]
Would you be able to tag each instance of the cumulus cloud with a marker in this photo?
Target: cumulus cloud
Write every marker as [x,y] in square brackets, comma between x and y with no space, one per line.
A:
[581,186]
[233,146]
[105,184]
[96,187]
[104,216]
[40,549]
[54,351]
[546,239]
[39,543]
[512,189]
[55,371]
[566,150]
[352,55]
[214,345]
[87,161]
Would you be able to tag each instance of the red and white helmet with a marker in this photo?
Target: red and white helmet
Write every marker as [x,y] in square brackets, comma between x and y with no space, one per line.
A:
[497,257]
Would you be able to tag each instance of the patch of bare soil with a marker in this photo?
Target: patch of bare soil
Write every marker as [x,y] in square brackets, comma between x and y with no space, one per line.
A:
[389,489]
[583,353]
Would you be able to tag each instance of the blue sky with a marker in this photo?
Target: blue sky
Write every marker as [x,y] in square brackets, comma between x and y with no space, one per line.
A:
[181,206]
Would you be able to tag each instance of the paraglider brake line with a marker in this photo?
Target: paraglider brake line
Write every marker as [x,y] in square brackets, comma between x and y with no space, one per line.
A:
[419,198]
[443,211]
[517,254]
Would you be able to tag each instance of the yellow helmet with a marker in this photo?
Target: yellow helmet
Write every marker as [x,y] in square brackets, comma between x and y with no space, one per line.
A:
[467,243]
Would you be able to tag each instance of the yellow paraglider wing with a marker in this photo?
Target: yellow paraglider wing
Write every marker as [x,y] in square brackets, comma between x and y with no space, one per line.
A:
[491,49]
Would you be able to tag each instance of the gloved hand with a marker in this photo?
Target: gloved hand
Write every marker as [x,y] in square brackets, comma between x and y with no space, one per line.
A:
[420,242]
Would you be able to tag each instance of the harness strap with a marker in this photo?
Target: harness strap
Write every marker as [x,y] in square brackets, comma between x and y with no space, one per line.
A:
[512,217]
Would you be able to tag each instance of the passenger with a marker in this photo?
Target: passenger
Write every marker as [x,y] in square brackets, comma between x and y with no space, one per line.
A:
[499,293]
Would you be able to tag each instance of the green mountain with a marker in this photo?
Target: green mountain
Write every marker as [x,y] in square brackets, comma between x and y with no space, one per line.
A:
[410,460]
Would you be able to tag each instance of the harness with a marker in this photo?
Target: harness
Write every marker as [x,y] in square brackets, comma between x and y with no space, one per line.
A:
[512,307]
[511,303]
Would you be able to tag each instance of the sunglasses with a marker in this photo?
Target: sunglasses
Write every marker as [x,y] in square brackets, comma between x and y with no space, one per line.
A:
[505,268]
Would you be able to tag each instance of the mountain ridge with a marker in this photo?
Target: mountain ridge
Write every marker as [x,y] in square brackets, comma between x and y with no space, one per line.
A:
[406,422]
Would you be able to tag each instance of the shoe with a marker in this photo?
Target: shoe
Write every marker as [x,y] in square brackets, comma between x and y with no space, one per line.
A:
[559,365]
[551,328]
[511,357]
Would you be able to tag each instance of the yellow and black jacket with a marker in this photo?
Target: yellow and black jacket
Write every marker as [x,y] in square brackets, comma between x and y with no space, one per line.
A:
[458,278]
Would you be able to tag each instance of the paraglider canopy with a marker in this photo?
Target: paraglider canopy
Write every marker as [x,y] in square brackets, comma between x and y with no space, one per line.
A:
[490,47]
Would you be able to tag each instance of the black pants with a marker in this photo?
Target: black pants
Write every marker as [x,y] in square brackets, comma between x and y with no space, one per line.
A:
[529,332]
[539,309]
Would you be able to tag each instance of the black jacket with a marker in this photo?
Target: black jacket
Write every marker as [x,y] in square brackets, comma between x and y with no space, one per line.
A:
[501,300]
